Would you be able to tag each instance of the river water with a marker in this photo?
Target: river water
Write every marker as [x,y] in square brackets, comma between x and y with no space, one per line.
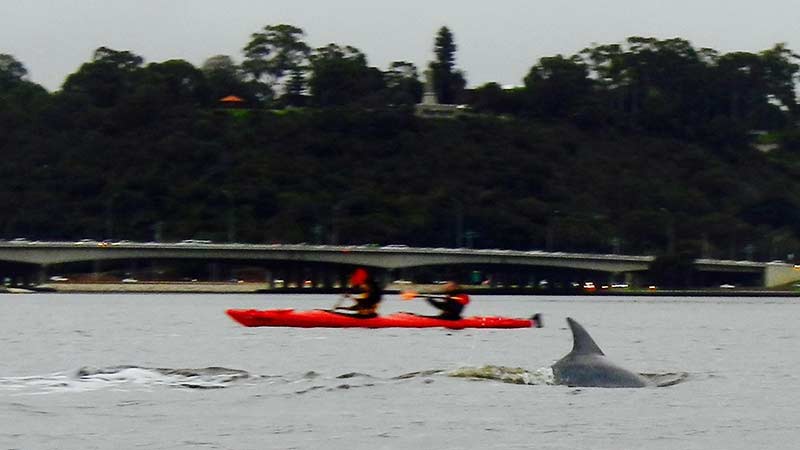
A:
[173,372]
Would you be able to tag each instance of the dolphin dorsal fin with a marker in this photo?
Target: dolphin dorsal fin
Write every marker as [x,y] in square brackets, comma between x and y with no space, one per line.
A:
[583,344]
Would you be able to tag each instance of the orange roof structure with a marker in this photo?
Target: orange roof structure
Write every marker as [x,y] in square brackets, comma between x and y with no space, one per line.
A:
[231,99]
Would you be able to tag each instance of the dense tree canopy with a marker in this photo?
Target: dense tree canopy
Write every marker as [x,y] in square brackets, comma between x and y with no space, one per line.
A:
[274,53]
[223,77]
[340,76]
[402,83]
[109,76]
[644,146]
[557,86]
[11,70]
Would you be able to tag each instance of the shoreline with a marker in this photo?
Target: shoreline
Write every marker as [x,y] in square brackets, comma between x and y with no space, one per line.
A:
[195,287]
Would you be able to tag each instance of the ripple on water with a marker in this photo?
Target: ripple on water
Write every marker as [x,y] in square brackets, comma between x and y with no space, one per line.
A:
[89,379]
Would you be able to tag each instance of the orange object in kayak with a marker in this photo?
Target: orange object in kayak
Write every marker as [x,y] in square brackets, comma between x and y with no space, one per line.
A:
[318,318]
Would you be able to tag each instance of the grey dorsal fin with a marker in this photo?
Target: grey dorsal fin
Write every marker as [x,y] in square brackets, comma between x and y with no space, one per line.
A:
[583,344]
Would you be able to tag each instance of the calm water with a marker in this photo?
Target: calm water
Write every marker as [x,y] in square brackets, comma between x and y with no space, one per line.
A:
[173,372]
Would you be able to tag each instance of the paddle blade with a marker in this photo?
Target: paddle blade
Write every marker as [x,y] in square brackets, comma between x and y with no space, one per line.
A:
[408,295]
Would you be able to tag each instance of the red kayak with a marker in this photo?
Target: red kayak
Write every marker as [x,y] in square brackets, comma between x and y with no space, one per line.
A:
[327,319]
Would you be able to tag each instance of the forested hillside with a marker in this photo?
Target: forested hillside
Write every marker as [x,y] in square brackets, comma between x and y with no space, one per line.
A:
[645,147]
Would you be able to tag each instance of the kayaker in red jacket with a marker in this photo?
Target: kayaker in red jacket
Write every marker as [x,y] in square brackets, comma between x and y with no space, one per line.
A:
[367,298]
[452,303]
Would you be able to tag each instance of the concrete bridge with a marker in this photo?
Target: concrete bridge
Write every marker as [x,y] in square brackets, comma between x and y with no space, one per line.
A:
[42,257]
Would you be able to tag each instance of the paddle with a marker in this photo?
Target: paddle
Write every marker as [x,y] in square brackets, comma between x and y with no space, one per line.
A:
[410,295]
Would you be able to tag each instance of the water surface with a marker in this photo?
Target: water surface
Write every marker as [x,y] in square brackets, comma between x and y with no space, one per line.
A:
[173,372]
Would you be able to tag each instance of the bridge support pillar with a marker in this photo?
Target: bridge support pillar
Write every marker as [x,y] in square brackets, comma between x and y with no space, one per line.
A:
[777,274]
[213,271]
[41,274]
[636,278]
[97,267]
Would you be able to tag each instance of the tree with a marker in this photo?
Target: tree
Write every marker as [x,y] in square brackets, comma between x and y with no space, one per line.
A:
[780,72]
[11,71]
[179,81]
[224,77]
[159,89]
[221,64]
[340,76]
[121,59]
[402,83]
[666,79]
[109,76]
[491,97]
[295,88]
[445,49]
[670,87]
[21,101]
[740,76]
[557,86]
[273,53]
[448,83]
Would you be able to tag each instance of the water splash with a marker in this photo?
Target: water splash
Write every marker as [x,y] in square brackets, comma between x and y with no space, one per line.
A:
[126,376]
[204,378]
[666,379]
[544,376]
[513,375]
[130,377]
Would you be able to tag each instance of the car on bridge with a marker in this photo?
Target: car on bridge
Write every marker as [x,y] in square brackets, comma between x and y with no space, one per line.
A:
[195,241]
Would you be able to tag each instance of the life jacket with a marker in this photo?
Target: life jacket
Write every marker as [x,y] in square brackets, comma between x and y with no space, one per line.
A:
[367,302]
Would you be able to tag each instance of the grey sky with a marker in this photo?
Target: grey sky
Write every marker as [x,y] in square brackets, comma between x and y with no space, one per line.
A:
[497,40]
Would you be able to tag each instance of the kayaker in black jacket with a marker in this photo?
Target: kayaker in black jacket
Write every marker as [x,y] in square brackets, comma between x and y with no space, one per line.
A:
[452,303]
[367,297]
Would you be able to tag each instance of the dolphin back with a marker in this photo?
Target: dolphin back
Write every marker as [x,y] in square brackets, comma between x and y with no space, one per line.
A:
[596,373]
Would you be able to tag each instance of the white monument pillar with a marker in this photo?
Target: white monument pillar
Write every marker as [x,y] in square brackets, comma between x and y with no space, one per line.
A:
[428,94]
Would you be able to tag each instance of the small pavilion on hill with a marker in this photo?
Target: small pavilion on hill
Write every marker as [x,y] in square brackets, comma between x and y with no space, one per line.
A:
[232,101]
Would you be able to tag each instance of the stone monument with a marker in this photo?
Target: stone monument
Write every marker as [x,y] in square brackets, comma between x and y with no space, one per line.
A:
[430,106]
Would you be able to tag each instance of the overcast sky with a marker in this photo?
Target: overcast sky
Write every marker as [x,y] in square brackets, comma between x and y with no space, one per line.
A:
[497,40]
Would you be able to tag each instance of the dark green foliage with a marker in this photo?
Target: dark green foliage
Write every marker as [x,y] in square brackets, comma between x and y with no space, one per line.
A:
[110,75]
[274,52]
[223,78]
[640,148]
[664,87]
[402,84]
[12,72]
[340,76]
[356,176]
[448,83]
[558,87]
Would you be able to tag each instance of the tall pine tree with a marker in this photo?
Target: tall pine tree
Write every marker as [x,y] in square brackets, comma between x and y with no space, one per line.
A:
[448,83]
